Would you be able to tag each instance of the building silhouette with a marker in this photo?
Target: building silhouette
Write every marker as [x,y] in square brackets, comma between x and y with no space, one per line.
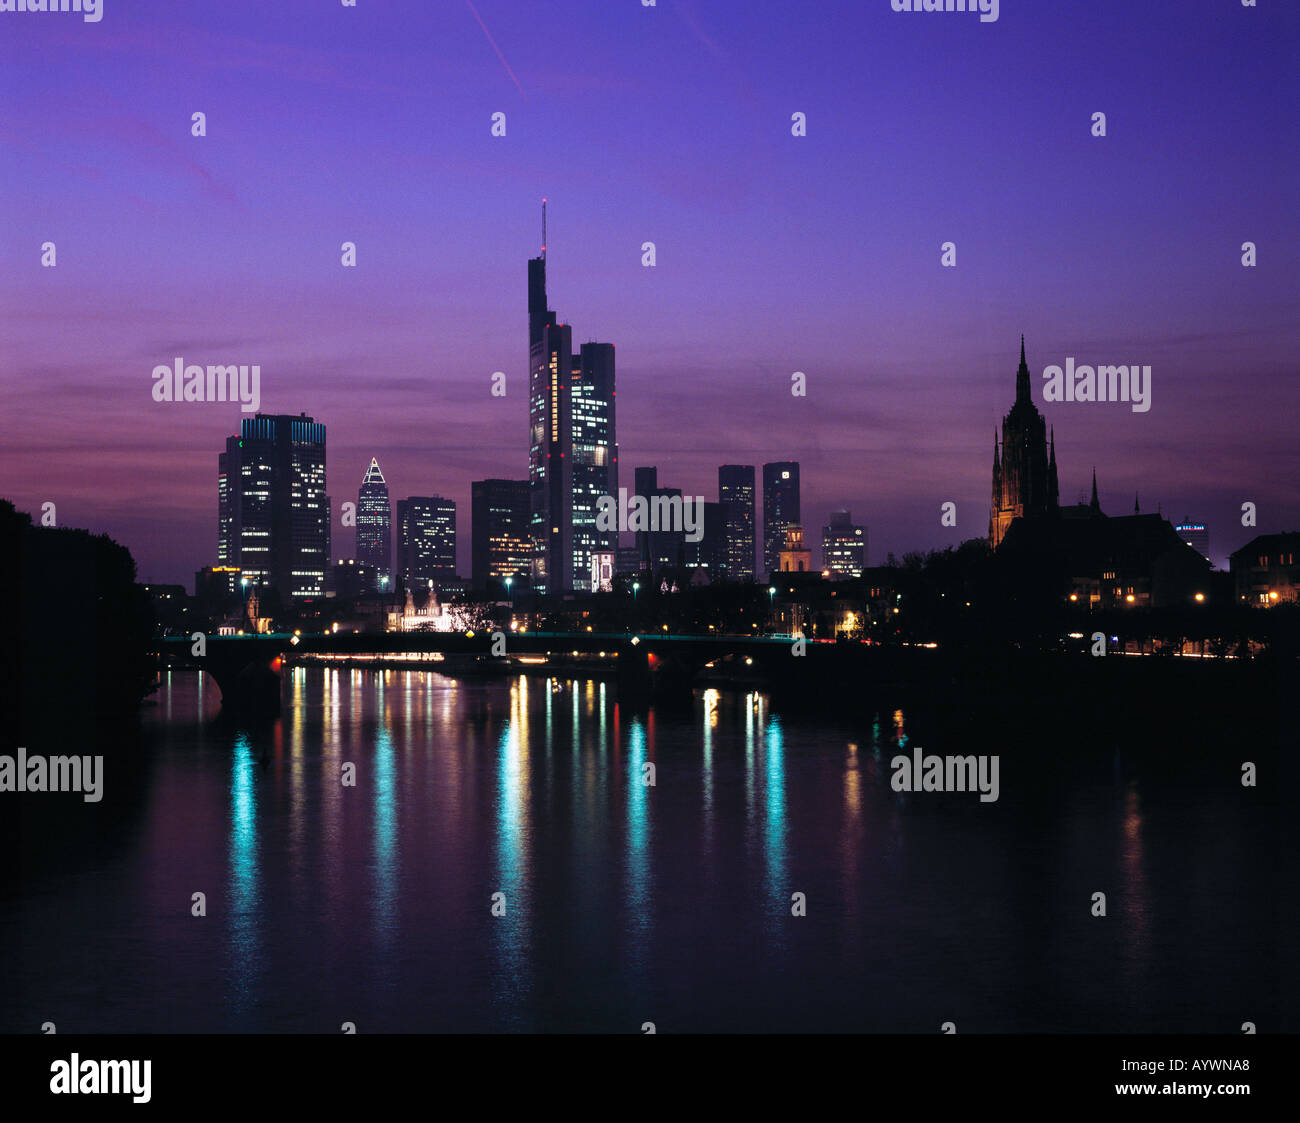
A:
[736,494]
[1265,571]
[710,551]
[1024,472]
[499,540]
[273,513]
[1196,534]
[780,509]
[375,523]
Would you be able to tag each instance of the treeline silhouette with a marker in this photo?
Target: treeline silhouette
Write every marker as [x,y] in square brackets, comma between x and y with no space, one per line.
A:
[76,632]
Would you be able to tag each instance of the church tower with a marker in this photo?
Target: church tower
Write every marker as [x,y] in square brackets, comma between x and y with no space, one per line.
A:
[1024,472]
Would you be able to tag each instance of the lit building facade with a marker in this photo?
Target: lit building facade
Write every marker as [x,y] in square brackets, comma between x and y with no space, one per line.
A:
[1024,470]
[375,523]
[736,494]
[844,546]
[499,534]
[794,557]
[595,455]
[426,535]
[572,444]
[780,509]
[273,512]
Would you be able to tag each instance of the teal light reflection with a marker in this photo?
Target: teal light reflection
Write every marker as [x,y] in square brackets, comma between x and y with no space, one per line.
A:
[385,840]
[774,814]
[510,932]
[638,903]
[245,877]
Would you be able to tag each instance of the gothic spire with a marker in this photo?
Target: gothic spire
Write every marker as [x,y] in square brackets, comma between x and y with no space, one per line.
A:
[1022,377]
[1136,509]
[1053,489]
[1094,505]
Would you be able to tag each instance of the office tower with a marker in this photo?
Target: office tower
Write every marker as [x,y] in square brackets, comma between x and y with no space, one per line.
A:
[710,552]
[844,546]
[572,447]
[736,494]
[349,579]
[426,535]
[780,509]
[662,544]
[499,514]
[627,561]
[273,513]
[1196,534]
[375,524]
[1024,473]
[645,482]
[550,437]
[595,455]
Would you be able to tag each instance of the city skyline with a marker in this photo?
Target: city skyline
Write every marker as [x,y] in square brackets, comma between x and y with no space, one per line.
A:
[775,253]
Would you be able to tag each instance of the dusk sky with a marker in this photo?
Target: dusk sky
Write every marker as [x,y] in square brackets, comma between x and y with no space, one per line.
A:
[775,253]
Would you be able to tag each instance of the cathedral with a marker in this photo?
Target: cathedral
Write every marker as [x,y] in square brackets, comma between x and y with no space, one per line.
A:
[1024,470]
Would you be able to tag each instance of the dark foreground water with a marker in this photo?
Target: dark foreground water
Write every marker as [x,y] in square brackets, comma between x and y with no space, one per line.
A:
[626,903]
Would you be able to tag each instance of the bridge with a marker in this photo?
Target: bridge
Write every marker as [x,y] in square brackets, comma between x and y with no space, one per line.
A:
[646,665]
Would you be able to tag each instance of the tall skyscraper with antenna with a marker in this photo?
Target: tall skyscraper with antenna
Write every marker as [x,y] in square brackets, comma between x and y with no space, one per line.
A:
[572,447]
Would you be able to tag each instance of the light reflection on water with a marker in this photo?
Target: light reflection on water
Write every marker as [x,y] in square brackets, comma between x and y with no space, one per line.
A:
[626,901]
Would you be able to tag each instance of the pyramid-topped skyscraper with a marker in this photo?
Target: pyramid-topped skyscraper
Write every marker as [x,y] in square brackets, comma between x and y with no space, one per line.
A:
[375,524]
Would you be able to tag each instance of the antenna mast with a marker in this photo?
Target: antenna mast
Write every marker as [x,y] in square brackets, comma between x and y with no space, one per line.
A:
[543,229]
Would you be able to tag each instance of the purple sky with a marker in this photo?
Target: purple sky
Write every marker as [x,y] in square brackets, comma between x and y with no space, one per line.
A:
[668,124]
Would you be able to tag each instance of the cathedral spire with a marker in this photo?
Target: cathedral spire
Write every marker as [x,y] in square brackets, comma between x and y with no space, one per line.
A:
[1022,377]
[1053,488]
[1094,505]
[1136,509]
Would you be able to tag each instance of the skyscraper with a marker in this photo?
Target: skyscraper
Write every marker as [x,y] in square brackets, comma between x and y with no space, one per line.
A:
[1024,476]
[375,523]
[550,437]
[273,513]
[1196,534]
[736,494]
[595,454]
[499,534]
[663,546]
[844,546]
[572,446]
[780,509]
[710,551]
[426,535]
